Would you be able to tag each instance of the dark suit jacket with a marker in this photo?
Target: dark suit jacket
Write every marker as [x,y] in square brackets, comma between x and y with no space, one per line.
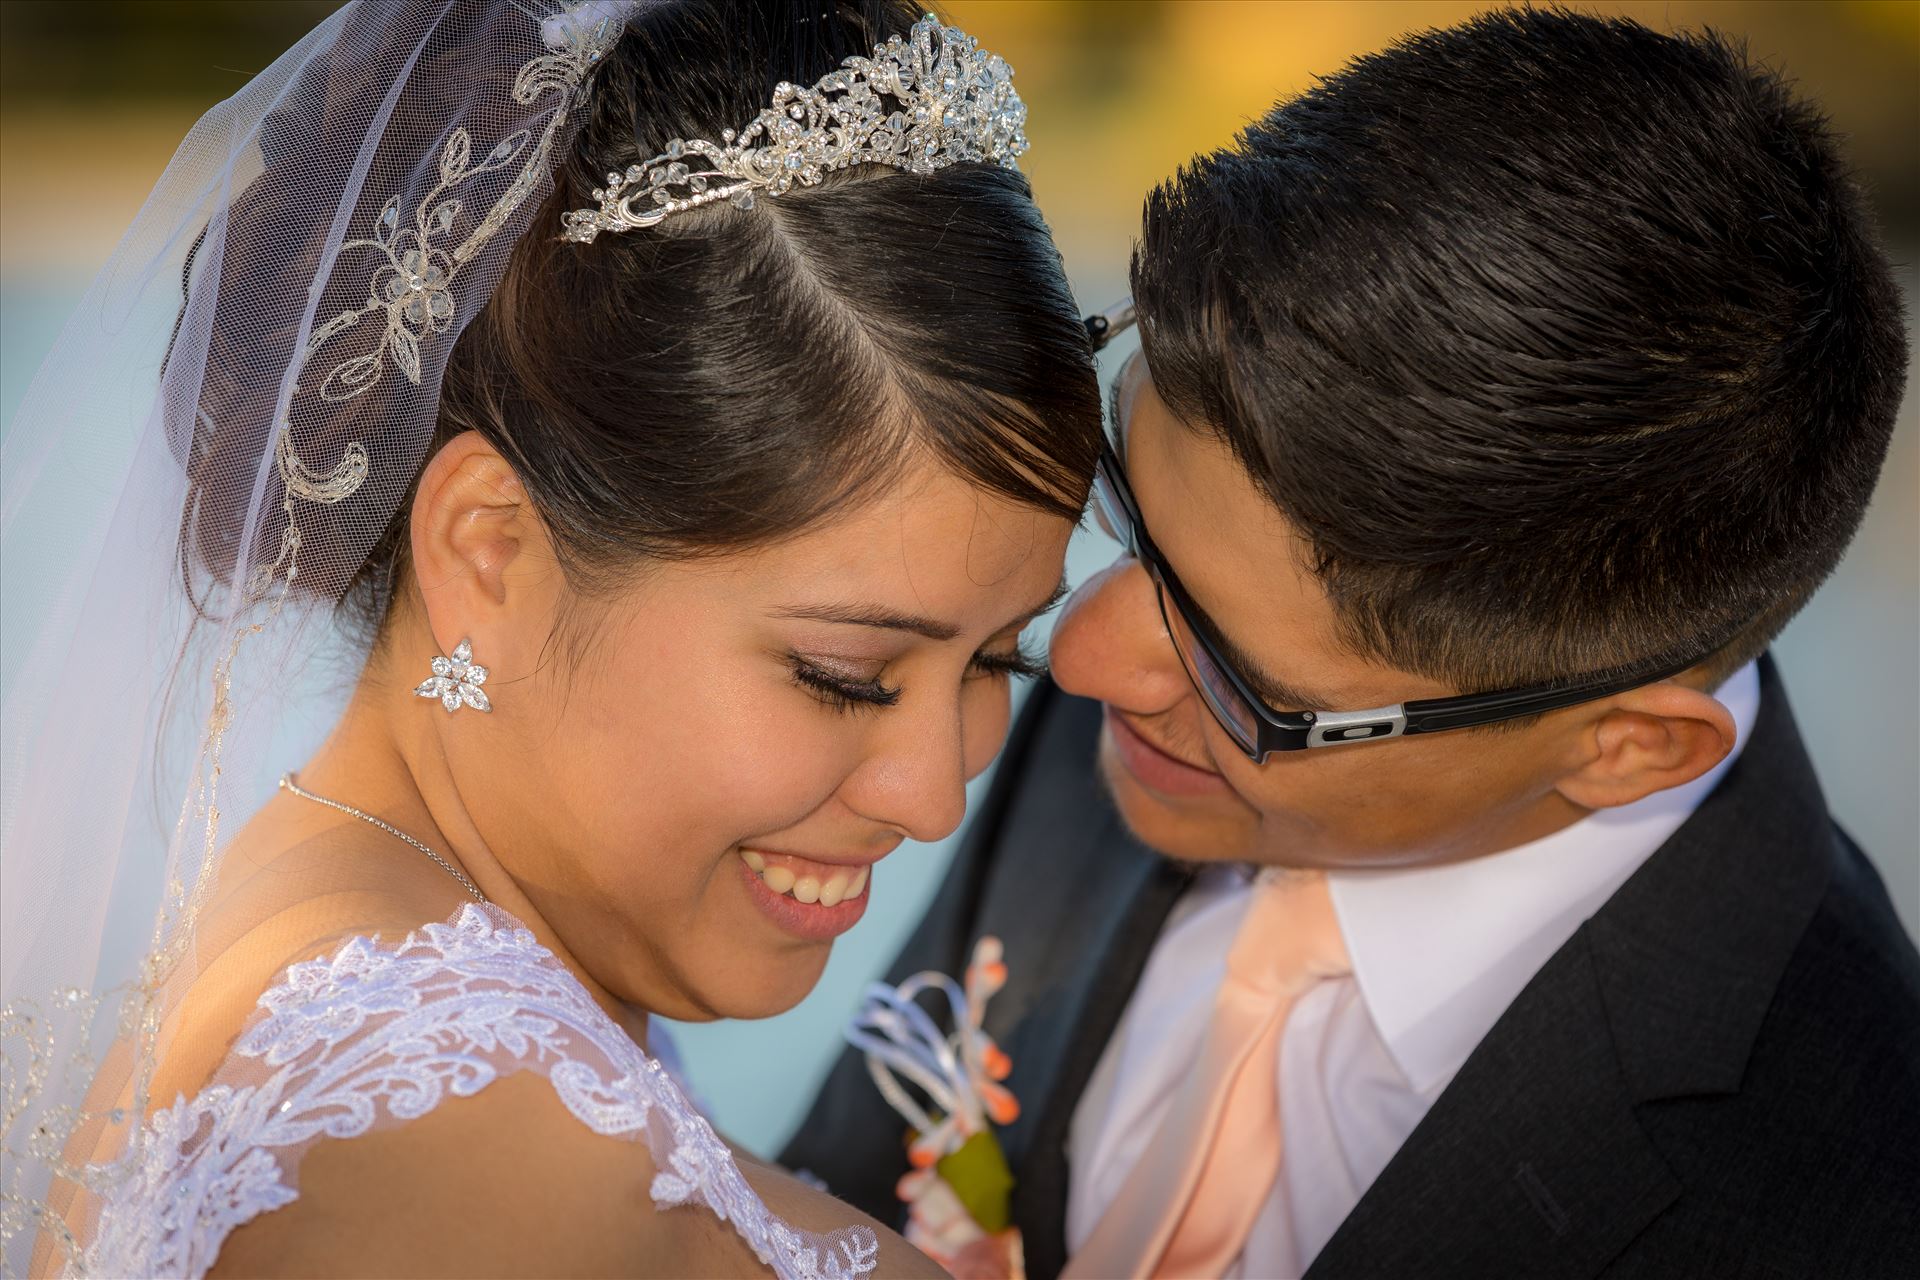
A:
[1718,1075]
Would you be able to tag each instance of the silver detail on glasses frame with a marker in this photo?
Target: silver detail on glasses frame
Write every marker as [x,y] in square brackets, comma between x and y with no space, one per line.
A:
[1335,728]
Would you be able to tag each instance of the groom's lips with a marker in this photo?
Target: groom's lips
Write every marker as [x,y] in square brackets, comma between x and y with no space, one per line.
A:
[1156,768]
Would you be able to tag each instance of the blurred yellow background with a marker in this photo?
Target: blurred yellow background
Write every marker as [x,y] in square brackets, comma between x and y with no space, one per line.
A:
[1120,94]
[95,96]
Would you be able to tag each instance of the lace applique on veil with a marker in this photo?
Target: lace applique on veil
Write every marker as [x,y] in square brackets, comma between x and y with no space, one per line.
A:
[379,1035]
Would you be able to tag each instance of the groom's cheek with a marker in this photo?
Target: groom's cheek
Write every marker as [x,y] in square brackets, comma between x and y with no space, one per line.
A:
[1111,644]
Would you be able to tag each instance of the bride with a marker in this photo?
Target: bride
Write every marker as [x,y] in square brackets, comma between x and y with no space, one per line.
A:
[657,422]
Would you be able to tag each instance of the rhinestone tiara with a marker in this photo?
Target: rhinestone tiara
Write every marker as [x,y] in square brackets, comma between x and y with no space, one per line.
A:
[952,102]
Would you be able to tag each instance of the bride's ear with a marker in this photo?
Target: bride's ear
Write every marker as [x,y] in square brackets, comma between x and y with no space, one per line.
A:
[479,549]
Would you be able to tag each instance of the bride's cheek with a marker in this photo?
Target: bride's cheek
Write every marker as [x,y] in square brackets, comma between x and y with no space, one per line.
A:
[783,766]
[986,711]
[817,752]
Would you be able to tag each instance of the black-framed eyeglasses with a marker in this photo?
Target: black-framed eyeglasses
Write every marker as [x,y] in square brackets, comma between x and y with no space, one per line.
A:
[1258,729]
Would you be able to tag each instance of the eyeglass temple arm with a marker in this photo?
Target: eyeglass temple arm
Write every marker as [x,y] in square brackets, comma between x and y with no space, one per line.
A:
[1104,326]
[1436,714]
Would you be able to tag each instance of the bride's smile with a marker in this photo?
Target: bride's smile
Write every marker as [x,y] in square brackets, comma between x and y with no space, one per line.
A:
[816,905]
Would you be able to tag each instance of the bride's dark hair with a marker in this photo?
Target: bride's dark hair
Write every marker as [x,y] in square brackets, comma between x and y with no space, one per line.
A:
[728,377]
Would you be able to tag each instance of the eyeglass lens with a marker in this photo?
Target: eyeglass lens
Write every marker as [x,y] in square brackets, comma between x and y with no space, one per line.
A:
[1228,707]
[1215,687]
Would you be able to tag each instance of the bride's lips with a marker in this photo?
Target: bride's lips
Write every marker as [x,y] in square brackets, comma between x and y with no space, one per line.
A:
[1155,768]
[812,898]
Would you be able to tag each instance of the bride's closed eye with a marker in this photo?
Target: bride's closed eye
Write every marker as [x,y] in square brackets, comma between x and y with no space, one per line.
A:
[1016,662]
[841,690]
[845,691]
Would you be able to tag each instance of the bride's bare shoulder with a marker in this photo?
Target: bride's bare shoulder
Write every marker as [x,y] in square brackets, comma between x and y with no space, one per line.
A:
[302,903]
[506,1182]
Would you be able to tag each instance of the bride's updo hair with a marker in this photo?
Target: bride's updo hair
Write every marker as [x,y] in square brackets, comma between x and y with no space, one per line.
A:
[728,377]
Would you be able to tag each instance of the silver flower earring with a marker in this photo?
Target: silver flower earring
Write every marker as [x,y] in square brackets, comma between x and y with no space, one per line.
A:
[457,680]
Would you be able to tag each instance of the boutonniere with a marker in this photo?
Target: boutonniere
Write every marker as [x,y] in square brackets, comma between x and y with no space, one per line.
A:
[960,1188]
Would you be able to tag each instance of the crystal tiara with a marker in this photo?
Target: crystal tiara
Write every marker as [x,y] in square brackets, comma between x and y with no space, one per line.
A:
[953,102]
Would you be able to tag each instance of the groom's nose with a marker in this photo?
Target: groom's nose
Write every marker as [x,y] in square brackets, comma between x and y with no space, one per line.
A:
[1111,643]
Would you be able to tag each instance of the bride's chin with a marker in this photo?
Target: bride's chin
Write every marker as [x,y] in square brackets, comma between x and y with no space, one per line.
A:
[731,963]
[762,985]
[772,1004]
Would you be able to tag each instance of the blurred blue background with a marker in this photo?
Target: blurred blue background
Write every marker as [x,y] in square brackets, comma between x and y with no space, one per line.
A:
[94,97]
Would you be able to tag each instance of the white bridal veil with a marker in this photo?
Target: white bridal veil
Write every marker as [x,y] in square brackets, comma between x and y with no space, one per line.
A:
[222,432]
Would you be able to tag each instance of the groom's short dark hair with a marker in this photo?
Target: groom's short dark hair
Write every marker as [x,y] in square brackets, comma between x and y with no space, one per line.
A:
[1565,344]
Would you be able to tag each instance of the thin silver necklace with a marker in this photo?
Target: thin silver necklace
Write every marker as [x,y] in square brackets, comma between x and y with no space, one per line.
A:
[287,783]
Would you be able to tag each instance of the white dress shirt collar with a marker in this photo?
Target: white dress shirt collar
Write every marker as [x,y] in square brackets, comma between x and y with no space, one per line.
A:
[1440,952]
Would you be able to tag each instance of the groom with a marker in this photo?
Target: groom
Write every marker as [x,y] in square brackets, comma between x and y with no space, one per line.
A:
[1544,359]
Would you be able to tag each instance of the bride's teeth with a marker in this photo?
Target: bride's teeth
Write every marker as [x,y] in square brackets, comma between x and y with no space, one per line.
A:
[828,892]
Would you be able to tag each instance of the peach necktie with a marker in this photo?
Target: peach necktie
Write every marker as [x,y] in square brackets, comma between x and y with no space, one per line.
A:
[1186,1209]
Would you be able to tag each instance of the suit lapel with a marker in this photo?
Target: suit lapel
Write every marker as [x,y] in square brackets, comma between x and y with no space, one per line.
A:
[1530,1163]
[1065,1038]
[1078,903]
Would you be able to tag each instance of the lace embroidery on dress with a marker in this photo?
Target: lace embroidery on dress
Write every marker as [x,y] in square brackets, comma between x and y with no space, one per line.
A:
[337,1042]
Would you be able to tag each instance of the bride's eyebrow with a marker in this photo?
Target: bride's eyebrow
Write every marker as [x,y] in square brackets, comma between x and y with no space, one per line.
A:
[885,619]
[869,615]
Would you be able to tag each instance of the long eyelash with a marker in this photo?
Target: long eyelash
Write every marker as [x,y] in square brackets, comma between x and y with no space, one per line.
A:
[839,692]
[1018,663]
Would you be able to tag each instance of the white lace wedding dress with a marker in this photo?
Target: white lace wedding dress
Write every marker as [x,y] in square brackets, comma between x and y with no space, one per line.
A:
[378,1035]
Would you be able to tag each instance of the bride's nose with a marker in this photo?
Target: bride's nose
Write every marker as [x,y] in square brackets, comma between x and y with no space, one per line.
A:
[914,778]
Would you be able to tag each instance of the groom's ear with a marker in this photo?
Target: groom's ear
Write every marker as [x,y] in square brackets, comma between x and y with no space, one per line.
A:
[479,550]
[1644,741]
